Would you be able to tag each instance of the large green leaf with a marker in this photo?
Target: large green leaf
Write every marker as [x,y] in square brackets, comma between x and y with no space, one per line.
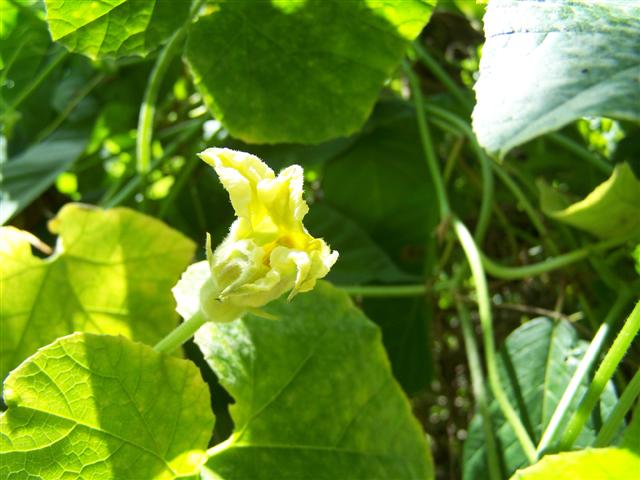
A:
[590,464]
[547,63]
[314,395]
[393,198]
[406,332]
[114,28]
[299,71]
[32,172]
[611,210]
[361,260]
[103,407]
[112,272]
[535,365]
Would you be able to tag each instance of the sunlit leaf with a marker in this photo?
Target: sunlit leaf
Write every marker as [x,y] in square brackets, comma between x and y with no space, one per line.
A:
[612,209]
[592,464]
[314,396]
[98,406]
[547,63]
[112,272]
[114,28]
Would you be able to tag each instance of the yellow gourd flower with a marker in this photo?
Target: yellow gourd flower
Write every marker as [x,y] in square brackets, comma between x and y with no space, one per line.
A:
[268,251]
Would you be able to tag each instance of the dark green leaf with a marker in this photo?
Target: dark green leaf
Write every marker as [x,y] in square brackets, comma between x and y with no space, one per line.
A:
[361,260]
[24,42]
[291,71]
[382,184]
[406,332]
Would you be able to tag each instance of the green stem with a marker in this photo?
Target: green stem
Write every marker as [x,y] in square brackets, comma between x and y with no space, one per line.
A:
[511,273]
[181,334]
[484,310]
[486,166]
[580,151]
[601,378]
[479,392]
[427,144]
[473,256]
[148,106]
[392,290]
[429,62]
[615,418]
[585,365]
[42,75]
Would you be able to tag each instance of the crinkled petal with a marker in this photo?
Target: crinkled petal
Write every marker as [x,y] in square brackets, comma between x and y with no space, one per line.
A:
[283,198]
[240,174]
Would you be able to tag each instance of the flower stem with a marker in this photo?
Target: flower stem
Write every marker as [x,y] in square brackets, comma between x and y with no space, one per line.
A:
[181,334]
[601,378]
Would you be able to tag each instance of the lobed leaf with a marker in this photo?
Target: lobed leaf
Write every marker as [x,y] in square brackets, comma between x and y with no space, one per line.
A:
[97,406]
[547,63]
[112,273]
[299,71]
[314,396]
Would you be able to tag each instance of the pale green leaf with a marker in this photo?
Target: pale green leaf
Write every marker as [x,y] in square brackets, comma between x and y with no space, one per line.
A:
[114,28]
[547,63]
[590,464]
[103,407]
[112,272]
[29,174]
[611,210]
[314,396]
[299,71]
[535,366]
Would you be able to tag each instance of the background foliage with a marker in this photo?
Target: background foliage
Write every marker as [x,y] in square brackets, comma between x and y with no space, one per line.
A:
[527,116]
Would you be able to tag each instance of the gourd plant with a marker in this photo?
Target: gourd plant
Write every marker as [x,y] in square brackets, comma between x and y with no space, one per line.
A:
[442,212]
